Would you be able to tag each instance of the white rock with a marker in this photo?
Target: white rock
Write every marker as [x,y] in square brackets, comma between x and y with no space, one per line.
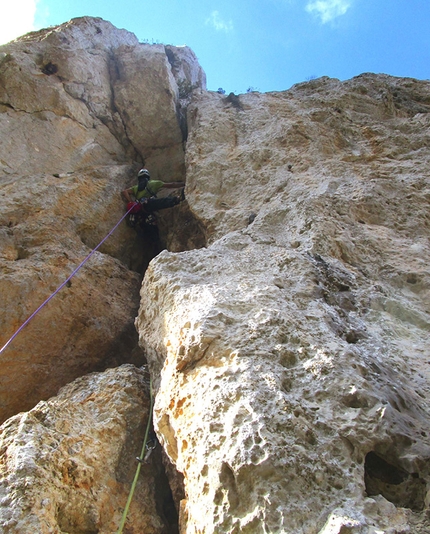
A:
[292,381]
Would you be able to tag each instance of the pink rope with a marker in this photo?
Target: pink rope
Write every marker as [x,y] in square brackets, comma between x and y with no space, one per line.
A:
[67,280]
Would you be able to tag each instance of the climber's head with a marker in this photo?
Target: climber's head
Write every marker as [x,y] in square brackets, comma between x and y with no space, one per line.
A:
[143,173]
[142,179]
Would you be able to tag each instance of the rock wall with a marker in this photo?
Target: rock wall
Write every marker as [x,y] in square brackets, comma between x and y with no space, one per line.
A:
[291,354]
[82,106]
[288,351]
[58,462]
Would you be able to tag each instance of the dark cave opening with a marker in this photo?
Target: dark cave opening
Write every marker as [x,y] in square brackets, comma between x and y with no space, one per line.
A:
[403,489]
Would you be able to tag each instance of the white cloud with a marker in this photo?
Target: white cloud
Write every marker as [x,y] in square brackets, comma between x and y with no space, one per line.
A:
[328,9]
[218,23]
[17,18]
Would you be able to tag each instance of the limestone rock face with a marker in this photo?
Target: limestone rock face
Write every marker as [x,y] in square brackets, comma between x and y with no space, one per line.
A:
[185,66]
[71,460]
[289,351]
[151,118]
[43,239]
[81,105]
[56,96]
[291,355]
[86,93]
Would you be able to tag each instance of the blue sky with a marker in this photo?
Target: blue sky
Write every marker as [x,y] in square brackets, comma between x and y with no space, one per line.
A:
[267,45]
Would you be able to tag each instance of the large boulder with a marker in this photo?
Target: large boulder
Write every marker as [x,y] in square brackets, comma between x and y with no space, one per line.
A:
[58,463]
[290,356]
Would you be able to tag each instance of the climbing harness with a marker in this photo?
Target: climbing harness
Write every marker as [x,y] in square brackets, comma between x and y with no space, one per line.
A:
[134,207]
[134,213]
[25,323]
[149,447]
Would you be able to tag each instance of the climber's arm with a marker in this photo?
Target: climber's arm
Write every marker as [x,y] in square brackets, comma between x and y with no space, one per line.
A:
[126,194]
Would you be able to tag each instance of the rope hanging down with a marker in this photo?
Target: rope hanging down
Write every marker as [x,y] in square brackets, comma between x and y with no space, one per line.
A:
[65,281]
[139,465]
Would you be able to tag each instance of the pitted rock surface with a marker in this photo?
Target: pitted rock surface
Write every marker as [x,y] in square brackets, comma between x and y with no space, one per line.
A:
[291,354]
[71,460]
[289,351]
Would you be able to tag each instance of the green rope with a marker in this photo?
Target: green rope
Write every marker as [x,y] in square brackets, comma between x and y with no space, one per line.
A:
[139,464]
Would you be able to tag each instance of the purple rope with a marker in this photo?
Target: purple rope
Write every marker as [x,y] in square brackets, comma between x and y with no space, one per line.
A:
[67,280]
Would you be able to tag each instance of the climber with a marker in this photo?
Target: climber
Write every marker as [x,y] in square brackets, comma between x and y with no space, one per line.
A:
[145,193]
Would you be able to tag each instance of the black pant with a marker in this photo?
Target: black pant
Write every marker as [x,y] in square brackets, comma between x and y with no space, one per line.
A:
[155,204]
